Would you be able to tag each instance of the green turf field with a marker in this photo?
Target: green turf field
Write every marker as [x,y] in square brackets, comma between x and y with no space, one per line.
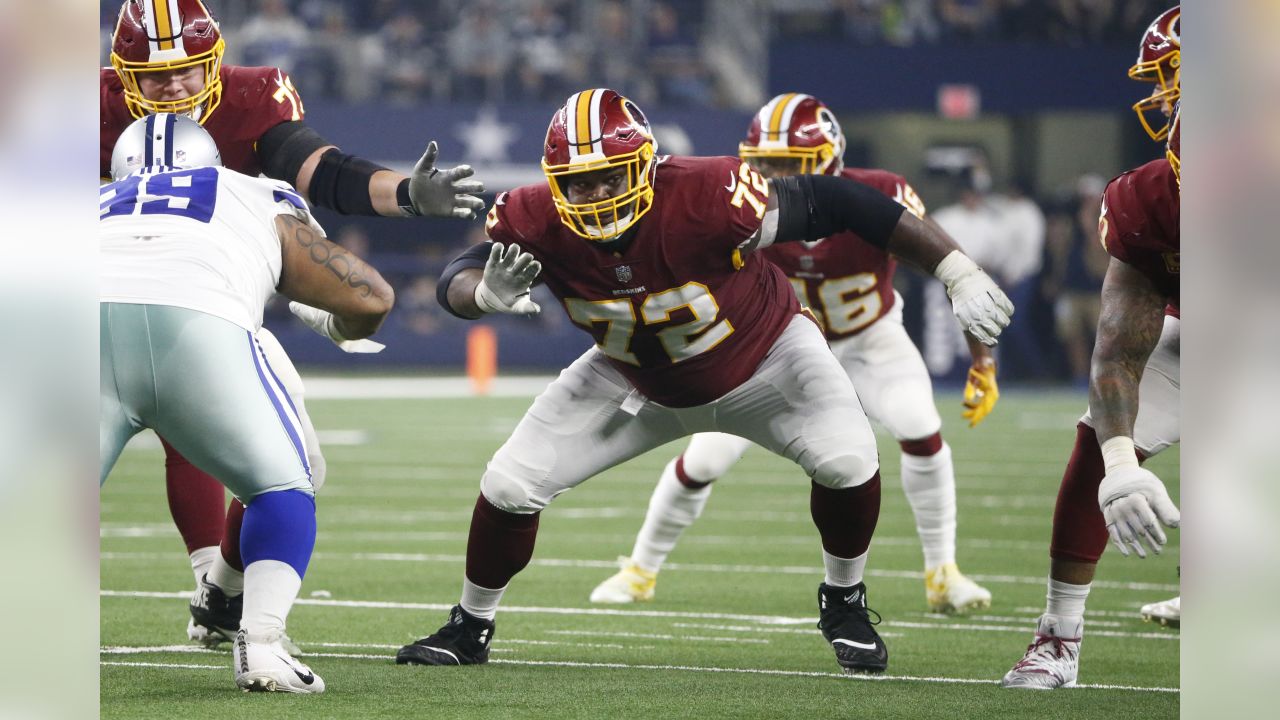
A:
[731,633]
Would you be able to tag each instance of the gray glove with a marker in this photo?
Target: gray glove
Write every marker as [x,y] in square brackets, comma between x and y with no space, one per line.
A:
[443,193]
[508,275]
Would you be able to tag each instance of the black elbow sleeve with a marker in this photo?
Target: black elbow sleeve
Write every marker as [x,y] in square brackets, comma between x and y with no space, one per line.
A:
[818,206]
[341,183]
[473,257]
[284,148]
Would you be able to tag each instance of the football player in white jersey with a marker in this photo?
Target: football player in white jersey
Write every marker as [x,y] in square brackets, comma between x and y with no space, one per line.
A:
[848,283]
[190,253]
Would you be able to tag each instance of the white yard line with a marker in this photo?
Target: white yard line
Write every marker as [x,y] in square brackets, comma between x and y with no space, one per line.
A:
[681,668]
[809,570]
[774,620]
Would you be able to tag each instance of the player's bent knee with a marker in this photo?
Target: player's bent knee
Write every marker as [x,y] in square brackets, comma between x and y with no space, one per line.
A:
[507,493]
[846,470]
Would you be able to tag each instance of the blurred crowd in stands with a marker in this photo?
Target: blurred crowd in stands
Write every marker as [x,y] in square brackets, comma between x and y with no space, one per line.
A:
[539,50]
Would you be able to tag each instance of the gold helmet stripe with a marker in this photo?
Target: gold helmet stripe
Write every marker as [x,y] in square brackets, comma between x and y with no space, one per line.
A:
[160,24]
[776,125]
[582,121]
[585,134]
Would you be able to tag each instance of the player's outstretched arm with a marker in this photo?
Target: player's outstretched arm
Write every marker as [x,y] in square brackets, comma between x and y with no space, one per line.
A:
[1133,500]
[327,276]
[351,185]
[810,207]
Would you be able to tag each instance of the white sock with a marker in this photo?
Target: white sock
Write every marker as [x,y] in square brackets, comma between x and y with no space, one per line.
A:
[480,602]
[1066,600]
[226,577]
[270,587]
[843,572]
[202,560]
[672,508]
[930,485]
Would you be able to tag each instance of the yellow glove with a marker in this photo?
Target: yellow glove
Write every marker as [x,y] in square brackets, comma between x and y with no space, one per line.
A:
[980,391]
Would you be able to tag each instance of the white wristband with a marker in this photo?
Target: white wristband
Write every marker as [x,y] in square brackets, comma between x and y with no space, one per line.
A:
[953,267]
[482,295]
[1118,453]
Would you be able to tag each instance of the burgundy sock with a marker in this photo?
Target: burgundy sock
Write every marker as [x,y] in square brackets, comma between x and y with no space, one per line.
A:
[231,535]
[195,500]
[499,545]
[846,518]
[924,447]
[687,481]
[1079,530]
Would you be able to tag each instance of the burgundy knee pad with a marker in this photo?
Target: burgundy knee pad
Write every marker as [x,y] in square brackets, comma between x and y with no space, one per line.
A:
[924,447]
[499,545]
[846,519]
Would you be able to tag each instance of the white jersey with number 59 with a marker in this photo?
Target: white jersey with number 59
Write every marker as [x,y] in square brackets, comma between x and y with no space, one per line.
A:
[202,238]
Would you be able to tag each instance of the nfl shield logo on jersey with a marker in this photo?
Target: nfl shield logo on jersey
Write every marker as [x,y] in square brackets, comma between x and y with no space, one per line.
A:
[624,273]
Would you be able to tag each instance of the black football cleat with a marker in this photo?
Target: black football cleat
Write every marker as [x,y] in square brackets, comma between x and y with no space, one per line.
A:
[215,618]
[845,621]
[464,640]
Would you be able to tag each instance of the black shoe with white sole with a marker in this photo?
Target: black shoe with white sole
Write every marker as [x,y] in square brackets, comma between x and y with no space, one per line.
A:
[464,640]
[845,621]
[215,612]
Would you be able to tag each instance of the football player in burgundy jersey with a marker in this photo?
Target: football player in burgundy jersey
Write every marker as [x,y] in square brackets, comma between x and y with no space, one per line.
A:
[848,284]
[658,259]
[1104,489]
[167,57]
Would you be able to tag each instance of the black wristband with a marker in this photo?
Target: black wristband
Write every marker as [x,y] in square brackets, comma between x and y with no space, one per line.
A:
[403,200]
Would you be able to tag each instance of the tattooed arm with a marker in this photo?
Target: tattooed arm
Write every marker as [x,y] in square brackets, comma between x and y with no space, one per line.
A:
[1128,330]
[321,274]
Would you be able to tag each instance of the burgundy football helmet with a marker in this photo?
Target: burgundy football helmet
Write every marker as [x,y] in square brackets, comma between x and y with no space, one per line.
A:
[156,35]
[1160,62]
[1173,149]
[797,127]
[598,129]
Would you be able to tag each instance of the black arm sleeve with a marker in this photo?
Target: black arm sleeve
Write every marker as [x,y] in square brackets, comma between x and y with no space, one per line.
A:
[340,181]
[811,207]
[284,148]
[473,257]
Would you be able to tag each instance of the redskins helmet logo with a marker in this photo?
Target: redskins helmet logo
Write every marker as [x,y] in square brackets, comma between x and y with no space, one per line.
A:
[637,118]
[828,125]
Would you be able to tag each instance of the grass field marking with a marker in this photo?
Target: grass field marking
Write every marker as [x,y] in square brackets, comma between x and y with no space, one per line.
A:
[134,650]
[174,666]
[502,641]
[1018,619]
[167,531]
[657,636]
[686,668]
[661,614]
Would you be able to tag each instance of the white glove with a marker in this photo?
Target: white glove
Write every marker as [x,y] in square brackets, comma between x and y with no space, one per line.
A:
[1132,500]
[979,304]
[443,193]
[507,278]
[322,322]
